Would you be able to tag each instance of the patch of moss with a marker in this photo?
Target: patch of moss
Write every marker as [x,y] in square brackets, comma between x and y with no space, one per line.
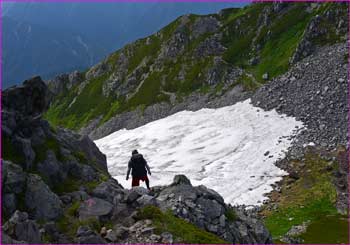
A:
[181,229]
[80,156]
[73,209]
[49,144]
[92,185]
[327,229]
[309,199]
[70,184]
[230,215]
[143,48]
[248,82]
[9,151]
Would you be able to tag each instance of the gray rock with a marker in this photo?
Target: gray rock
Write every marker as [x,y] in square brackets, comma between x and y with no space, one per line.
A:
[9,204]
[167,238]
[52,169]
[122,232]
[212,207]
[94,208]
[265,76]
[132,196]
[19,227]
[181,179]
[30,99]
[14,178]
[86,236]
[8,240]
[108,190]
[40,200]
[146,200]
[111,236]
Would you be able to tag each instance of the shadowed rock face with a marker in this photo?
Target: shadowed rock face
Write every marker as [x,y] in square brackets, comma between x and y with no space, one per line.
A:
[39,161]
[30,99]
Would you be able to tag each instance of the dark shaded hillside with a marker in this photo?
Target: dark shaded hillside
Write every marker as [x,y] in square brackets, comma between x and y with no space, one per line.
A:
[194,57]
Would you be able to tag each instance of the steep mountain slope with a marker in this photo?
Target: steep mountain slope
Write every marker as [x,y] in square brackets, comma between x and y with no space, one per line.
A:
[193,60]
[31,49]
[56,189]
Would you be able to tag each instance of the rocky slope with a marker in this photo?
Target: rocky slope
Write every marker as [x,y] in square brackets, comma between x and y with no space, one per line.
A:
[194,61]
[56,188]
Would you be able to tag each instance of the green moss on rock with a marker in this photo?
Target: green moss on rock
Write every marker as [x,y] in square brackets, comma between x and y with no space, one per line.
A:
[181,229]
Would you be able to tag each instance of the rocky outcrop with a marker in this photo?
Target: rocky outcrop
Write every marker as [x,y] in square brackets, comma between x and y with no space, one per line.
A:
[40,200]
[206,209]
[30,99]
[321,28]
[64,82]
[41,162]
[19,227]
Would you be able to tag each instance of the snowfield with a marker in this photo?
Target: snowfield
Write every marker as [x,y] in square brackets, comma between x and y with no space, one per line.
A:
[231,149]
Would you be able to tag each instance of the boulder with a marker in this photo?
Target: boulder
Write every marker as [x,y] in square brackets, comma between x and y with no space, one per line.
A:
[5,239]
[94,208]
[109,190]
[146,200]
[135,193]
[30,99]
[111,236]
[40,200]
[86,236]
[206,209]
[19,227]
[14,178]
[9,203]
[52,169]
[181,179]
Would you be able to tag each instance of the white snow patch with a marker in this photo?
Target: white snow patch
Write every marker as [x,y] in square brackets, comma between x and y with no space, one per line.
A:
[222,149]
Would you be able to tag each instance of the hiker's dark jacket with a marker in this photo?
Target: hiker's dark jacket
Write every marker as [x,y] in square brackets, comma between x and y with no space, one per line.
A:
[138,166]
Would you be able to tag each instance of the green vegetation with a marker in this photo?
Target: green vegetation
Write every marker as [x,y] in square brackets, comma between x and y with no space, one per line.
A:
[70,184]
[277,42]
[248,82]
[230,215]
[80,156]
[328,229]
[310,199]
[73,209]
[69,222]
[182,230]
[9,152]
[245,34]
[49,144]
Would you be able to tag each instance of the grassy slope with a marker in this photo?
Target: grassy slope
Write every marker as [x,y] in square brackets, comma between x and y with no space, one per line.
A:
[182,230]
[276,48]
[91,103]
[311,199]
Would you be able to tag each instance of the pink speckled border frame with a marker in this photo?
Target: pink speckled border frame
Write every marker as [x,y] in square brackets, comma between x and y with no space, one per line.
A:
[163,1]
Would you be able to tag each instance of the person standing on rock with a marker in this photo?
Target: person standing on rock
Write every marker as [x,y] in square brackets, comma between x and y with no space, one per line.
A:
[139,169]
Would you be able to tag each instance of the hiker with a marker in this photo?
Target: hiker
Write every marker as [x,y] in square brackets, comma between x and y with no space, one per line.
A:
[139,168]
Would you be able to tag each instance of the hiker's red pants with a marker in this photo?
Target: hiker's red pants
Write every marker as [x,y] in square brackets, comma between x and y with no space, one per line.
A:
[136,180]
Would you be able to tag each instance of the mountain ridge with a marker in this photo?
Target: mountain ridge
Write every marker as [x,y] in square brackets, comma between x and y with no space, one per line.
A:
[201,55]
